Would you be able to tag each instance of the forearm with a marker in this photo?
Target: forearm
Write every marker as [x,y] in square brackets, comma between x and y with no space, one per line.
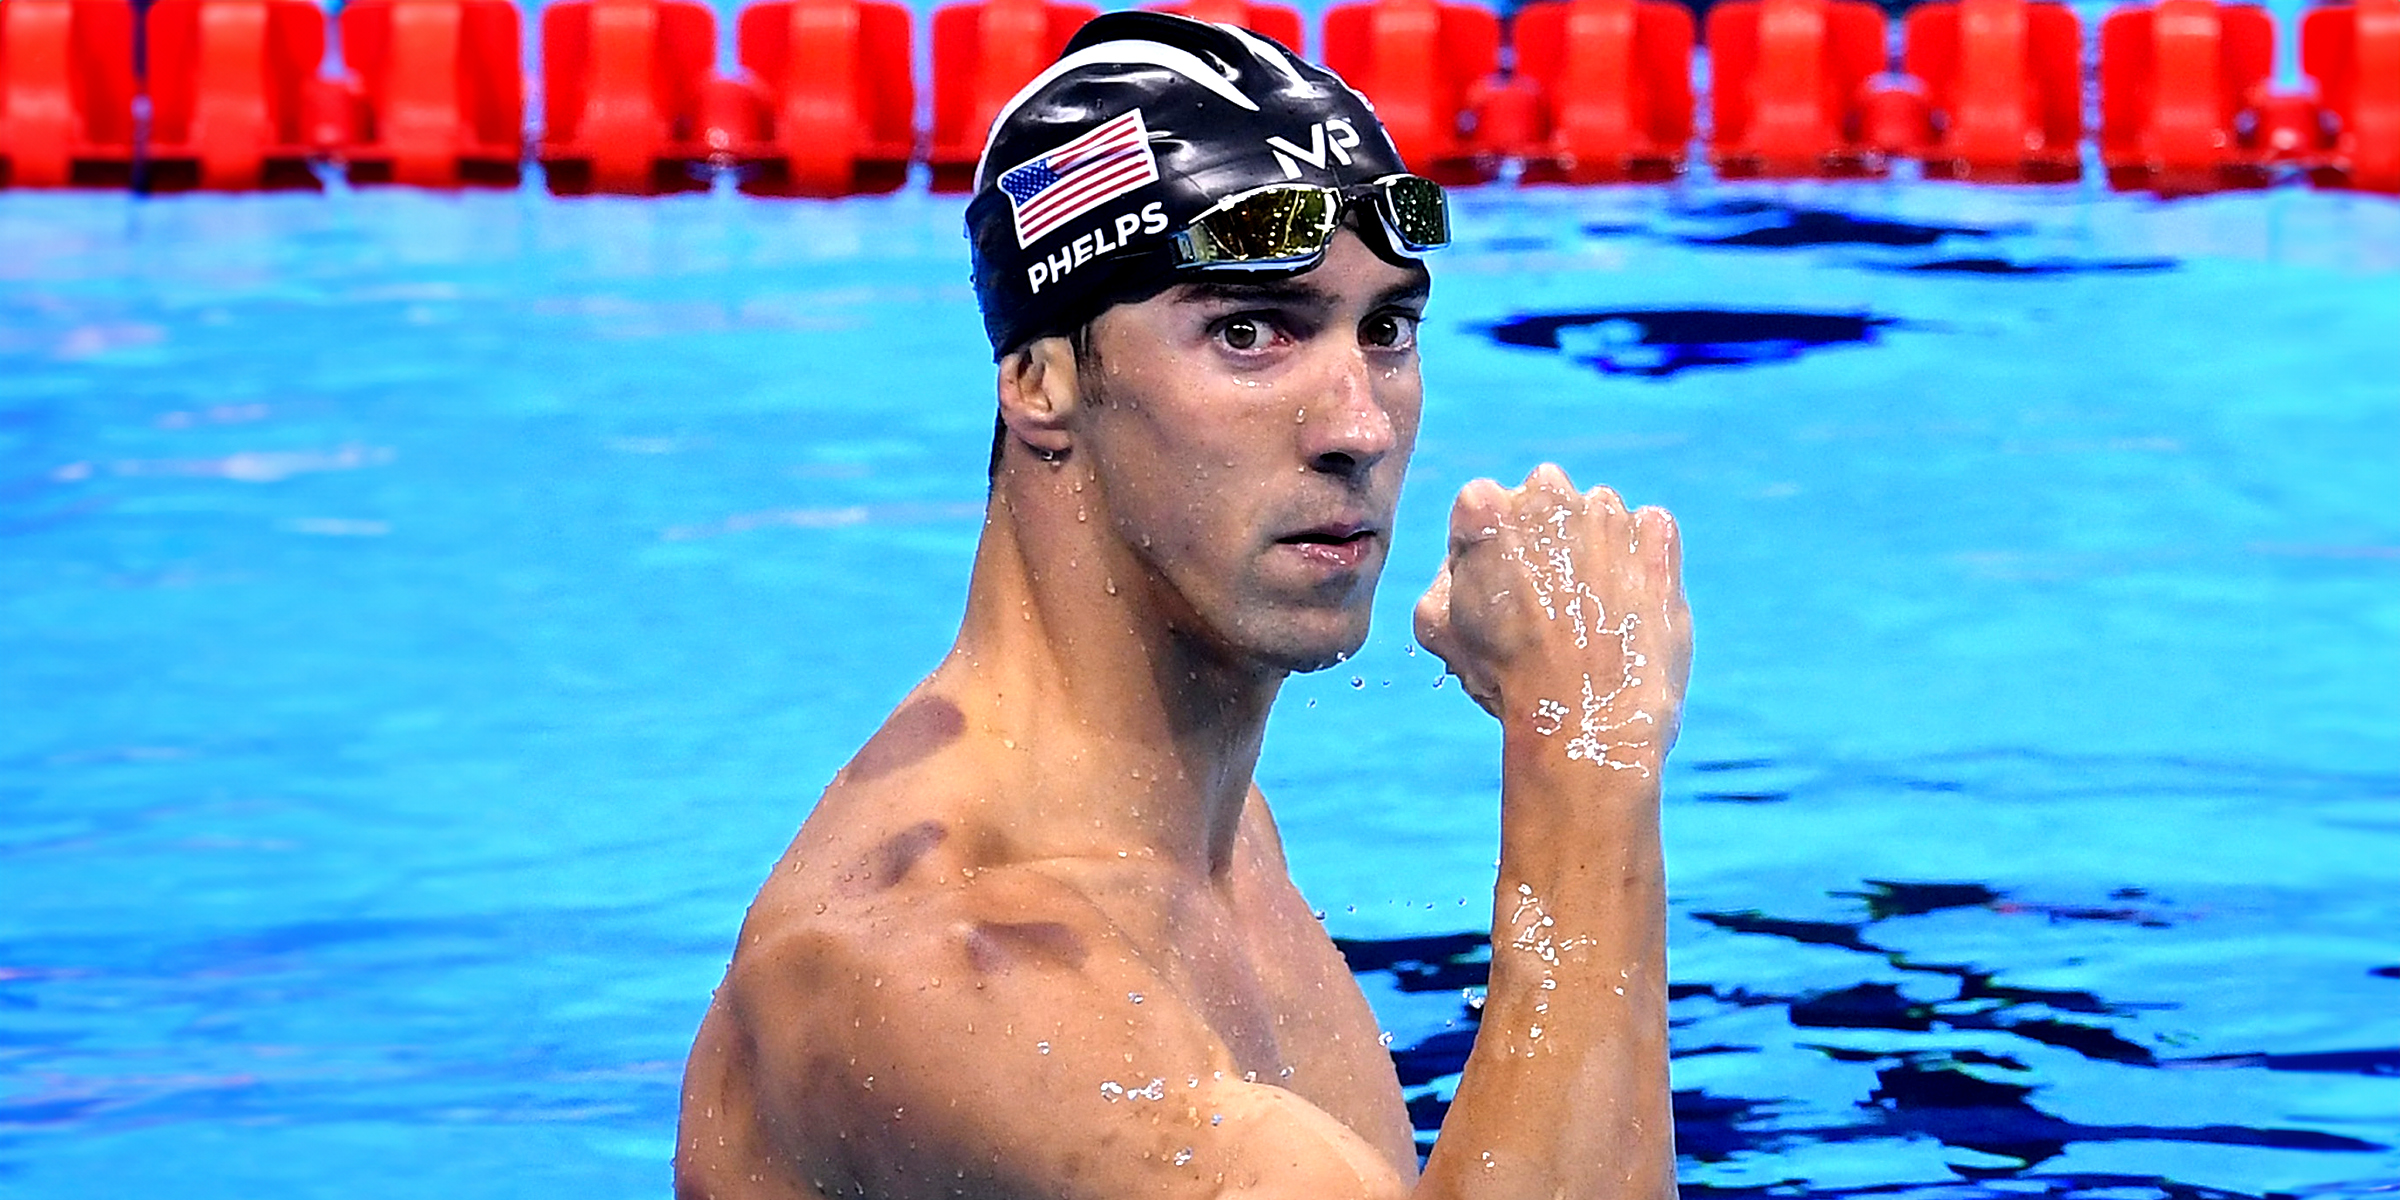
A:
[1566,1092]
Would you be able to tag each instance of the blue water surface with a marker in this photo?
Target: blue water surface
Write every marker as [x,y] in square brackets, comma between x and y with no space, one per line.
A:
[424,618]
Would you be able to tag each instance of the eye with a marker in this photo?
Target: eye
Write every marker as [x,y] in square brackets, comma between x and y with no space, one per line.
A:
[1249,333]
[1389,331]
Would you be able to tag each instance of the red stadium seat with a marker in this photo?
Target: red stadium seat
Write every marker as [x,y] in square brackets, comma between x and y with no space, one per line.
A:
[1895,118]
[66,93]
[838,105]
[1788,85]
[2176,81]
[622,88]
[983,53]
[441,97]
[2004,81]
[2353,54]
[232,85]
[1419,61]
[1277,21]
[1615,82]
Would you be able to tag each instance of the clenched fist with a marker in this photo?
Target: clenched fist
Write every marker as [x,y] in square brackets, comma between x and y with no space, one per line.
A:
[1563,615]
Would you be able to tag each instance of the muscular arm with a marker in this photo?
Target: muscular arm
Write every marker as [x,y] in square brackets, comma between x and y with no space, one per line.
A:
[1563,615]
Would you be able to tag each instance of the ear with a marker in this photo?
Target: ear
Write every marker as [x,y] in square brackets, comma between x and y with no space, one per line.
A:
[1039,393]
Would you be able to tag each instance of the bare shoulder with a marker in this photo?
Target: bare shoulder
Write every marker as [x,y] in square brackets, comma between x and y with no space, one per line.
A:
[921,1002]
[932,1035]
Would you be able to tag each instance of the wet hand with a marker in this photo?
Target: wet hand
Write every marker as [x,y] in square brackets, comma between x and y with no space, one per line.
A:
[1562,613]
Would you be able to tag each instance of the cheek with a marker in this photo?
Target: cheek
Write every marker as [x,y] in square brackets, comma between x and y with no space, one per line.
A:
[1186,481]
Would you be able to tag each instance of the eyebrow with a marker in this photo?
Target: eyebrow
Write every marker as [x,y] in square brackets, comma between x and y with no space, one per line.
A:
[1295,291]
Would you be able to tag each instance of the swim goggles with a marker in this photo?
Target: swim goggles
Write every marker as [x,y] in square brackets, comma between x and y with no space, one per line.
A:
[1282,226]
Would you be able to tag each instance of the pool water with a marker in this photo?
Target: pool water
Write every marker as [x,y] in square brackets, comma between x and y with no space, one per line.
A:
[424,618]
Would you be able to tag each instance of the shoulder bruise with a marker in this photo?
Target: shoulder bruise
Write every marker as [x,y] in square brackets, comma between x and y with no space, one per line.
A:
[994,947]
[917,731]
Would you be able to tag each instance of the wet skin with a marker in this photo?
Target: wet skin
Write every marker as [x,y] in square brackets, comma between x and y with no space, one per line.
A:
[1039,939]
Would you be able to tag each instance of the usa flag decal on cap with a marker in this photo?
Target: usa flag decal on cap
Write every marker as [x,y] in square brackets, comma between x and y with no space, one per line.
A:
[1080,176]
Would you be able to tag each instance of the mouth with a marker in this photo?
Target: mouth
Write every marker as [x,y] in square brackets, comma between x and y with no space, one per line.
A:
[1342,546]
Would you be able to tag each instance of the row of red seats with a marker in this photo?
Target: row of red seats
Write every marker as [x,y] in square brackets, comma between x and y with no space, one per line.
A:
[430,91]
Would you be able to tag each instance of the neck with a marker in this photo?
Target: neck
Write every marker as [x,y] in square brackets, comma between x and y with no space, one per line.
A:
[1142,736]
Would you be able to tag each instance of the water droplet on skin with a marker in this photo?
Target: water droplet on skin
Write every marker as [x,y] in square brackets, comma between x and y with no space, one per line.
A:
[820,908]
[1111,585]
[1385,1040]
[1216,1118]
[1136,997]
[1044,1047]
[1183,1156]
[1081,515]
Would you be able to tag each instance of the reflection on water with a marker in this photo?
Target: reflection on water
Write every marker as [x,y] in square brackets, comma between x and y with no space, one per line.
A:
[1657,343]
[1769,225]
[2045,266]
[1935,1063]
[1921,246]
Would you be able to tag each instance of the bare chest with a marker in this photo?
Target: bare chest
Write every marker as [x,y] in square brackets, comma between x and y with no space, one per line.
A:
[1255,964]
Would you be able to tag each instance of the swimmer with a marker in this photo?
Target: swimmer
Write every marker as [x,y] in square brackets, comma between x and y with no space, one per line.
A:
[1038,938]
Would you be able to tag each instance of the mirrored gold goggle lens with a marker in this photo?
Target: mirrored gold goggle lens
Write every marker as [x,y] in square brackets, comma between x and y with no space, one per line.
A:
[1277,225]
[1293,223]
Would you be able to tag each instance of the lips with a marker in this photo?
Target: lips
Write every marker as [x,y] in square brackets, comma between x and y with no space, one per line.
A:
[1339,546]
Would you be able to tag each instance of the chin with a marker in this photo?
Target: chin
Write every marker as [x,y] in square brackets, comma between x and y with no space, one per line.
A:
[1299,649]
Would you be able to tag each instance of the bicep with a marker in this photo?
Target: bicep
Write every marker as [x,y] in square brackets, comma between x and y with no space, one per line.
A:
[919,1071]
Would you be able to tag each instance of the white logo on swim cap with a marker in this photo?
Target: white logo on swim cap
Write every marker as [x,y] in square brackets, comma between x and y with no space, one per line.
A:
[1289,155]
[1156,54]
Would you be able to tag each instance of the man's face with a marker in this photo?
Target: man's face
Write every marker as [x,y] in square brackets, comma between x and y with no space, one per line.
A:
[1248,441]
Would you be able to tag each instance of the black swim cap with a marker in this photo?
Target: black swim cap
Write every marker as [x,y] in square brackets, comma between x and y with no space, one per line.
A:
[1143,123]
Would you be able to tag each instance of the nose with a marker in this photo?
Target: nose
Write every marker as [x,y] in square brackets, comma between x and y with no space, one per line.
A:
[1348,427]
